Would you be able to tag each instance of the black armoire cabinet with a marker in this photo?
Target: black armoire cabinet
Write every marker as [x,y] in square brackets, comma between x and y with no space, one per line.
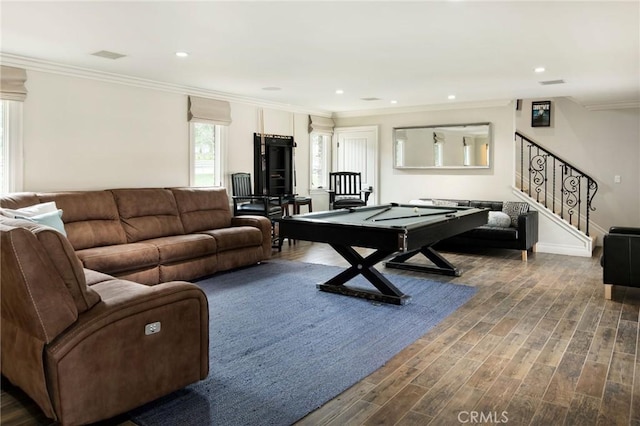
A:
[273,164]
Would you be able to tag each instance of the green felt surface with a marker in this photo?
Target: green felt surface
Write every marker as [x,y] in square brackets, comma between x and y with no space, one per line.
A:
[386,215]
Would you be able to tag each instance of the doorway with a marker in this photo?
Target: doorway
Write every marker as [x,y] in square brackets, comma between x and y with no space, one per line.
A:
[355,149]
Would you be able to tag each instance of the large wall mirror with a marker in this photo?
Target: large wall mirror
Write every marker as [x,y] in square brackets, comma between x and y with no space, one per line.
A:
[453,146]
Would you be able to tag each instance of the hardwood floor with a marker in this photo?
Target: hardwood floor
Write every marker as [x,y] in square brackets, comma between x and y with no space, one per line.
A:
[536,345]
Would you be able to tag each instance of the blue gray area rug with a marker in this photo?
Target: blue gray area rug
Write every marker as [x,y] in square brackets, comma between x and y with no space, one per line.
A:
[279,348]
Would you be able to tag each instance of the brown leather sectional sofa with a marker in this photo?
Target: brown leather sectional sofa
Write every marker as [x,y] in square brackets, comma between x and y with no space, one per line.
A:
[86,346]
[154,235]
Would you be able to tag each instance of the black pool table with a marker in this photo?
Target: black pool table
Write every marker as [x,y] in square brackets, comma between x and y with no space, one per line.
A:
[389,229]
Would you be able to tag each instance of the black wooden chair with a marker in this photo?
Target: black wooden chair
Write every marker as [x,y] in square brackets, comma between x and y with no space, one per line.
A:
[247,203]
[345,190]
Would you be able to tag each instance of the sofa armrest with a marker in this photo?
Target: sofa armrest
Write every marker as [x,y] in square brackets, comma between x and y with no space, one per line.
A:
[621,259]
[260,222]
[624,230]
[528,229]
[108,362]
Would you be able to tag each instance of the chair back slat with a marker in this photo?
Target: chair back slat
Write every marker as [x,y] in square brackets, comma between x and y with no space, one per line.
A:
[345,183]
[241,184]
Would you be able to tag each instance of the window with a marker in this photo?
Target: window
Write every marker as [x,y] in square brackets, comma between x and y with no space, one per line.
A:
[206,154]
[10,146]
[320,159]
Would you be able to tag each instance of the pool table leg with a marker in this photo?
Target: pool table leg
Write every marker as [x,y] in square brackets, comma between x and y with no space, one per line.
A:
[442,265]
[388,293]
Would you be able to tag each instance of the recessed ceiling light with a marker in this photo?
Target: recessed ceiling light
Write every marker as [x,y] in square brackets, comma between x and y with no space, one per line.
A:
[451,97]
[394,101]
[182,54]
[339,92]
[539,69]
[271,88]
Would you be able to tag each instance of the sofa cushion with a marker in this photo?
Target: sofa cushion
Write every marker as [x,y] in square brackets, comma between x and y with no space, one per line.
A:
[94,277]
[499,219]
[183,247]
[486,232]
[148,213]
[202,209]
[19,200]
[119,258]
[65,261]
[445,203]
[514,209]
[90,218]
[236,237]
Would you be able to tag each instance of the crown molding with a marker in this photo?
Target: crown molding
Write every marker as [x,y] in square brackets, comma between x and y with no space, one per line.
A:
[424,108]
[604,106]
[612,105]
[33,64]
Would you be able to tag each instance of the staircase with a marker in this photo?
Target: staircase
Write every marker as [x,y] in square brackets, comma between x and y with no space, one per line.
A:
[561,193]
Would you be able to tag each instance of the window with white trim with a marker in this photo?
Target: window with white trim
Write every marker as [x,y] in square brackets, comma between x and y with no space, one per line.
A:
[207,148]
[320,159]
[10,146]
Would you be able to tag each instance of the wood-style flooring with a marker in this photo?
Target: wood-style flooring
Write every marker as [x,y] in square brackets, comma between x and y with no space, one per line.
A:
[537,345]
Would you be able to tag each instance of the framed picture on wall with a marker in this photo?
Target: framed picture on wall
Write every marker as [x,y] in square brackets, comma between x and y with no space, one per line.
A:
[541,114]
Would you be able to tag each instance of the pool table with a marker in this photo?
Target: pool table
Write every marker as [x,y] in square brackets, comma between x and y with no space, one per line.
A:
[391,229]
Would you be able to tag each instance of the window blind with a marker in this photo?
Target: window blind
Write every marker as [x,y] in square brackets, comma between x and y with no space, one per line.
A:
[212,111]
[320,124]
[12,83]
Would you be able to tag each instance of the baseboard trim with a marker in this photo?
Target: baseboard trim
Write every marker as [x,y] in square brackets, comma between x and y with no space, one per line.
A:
[563,249]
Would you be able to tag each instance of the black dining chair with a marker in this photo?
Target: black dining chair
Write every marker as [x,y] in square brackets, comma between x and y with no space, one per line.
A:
[345,190]
[247,203]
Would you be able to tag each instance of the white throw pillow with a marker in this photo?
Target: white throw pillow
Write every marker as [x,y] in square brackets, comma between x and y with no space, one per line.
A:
[51,219]
[421,202]
[499,219]
[35,210]
[445,203]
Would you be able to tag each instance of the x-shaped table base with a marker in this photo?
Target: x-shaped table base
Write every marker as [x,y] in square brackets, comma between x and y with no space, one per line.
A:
[387,292]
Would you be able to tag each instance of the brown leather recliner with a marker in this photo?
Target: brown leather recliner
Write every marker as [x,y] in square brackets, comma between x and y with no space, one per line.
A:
[85,346]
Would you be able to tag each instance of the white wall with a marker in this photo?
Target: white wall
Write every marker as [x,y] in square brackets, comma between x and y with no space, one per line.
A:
[600,143]
[404,185]
[87,134]
[81,133]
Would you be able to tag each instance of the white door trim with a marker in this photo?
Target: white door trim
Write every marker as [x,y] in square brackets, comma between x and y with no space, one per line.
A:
[376,165]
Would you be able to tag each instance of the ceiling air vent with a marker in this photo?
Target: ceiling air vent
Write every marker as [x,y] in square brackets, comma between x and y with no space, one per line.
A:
[108,55]
[550,82]
[370,99]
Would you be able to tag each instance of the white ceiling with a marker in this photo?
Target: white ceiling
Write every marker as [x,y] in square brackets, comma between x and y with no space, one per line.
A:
[416,53]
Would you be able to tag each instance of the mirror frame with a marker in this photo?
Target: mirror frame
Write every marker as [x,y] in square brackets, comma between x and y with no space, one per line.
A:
[443,167]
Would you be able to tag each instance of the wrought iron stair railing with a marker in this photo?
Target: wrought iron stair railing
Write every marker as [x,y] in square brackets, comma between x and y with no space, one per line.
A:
[555,183]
